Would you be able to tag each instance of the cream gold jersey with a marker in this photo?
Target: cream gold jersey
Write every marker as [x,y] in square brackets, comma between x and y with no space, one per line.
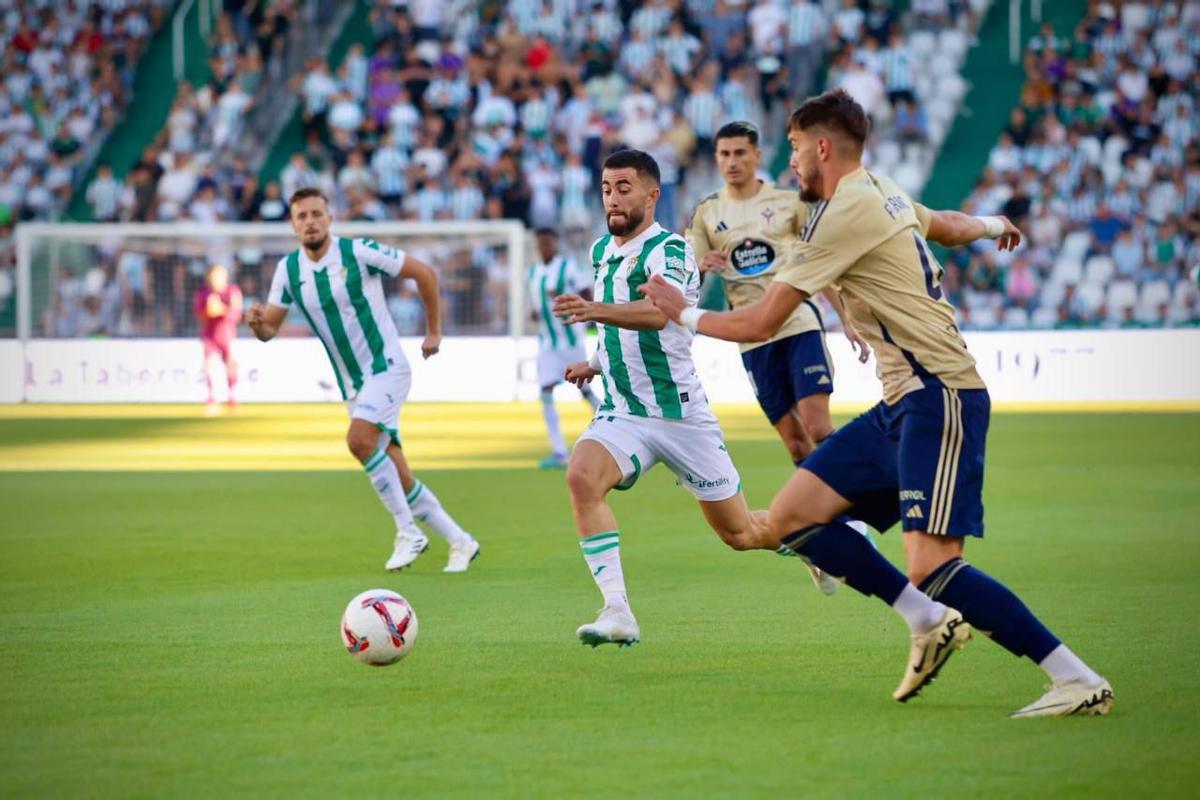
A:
[868,240]
[757,233]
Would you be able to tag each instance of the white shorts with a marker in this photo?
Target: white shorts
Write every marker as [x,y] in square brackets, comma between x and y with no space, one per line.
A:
[379,401]
[693,450]
[552,363]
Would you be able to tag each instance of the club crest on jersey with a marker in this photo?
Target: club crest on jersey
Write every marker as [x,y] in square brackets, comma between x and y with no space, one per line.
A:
[752,257]
[767,214]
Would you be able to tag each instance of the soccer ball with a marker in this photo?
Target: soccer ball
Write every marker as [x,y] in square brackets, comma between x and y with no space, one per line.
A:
[379,627]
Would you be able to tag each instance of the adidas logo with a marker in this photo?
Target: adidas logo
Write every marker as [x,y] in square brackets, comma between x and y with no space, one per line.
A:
[721,226]
[824,381]
[915,513]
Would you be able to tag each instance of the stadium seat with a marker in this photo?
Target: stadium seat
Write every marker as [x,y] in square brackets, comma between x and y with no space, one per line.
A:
[1099,270]
[1122,295]
[953,87]
[1053,292]
[953,42]
[1067,270]
[923,44]
[910,177]
[937,133]
[943,64]
[1075,245]
[1155,293]
[1092,297]
[1148,314]
[887,152]
[1045,317]
[982,317]
[1016,318]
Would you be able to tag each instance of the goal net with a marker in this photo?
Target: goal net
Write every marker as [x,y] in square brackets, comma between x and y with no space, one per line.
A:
[139,279]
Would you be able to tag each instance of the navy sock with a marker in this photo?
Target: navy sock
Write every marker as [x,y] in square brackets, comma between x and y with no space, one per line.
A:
[845,553]
[991,607]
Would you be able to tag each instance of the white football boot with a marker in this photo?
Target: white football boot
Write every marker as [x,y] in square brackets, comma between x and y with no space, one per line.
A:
[461,556]
[409,545]
[930,651]
[826,583]
[1070,698]
[614,624]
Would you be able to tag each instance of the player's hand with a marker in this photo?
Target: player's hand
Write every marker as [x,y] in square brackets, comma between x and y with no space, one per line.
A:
[666,297]
[1011,236]
[431,345]
[214,307]
[256,317]
[858,343]
[580,373]
[714,261]
[573,308]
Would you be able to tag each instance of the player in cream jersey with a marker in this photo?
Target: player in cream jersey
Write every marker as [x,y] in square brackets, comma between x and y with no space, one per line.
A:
[742,234]
[559,344]
[654,407]
[335,283]
[918,456]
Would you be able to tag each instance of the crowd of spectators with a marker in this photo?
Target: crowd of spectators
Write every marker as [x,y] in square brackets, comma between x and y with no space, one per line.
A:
[66,70]
[195,168]
[1100,165]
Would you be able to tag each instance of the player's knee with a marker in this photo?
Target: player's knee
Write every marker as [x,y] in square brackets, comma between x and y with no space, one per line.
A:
[584,483]
[361,445]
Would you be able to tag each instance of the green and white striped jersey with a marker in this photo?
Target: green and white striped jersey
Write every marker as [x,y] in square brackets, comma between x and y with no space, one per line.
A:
[545,281]
[647,373]
[341,297]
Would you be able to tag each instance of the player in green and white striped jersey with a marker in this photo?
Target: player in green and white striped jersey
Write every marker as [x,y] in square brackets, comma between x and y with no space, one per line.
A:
[336,285]
[559,345]
[654,407]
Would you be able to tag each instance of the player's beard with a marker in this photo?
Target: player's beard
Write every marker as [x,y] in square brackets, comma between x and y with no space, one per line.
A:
[633,218]
[313,247]
[808,188]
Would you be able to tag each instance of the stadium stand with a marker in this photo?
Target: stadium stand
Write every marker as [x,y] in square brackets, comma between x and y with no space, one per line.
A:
[460,110]
[1100,165]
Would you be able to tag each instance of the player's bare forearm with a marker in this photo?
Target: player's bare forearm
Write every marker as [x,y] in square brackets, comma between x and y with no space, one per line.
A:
[954,229]
[640,315]
[265,321]
[757,322]
[427,289]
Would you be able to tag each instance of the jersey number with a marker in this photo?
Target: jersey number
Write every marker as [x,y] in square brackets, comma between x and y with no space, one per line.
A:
[933,282]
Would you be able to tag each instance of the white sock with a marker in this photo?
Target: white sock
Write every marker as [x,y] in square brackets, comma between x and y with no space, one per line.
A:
[1063,665]
[558,445]
[602,552]
[428,509]
[920,612]
[591,398]
[386,480]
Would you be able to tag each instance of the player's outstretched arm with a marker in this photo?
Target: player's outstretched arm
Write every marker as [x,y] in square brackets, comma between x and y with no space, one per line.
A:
[427,287]
[639,315]
[954,229]
[757,322]
[264,320]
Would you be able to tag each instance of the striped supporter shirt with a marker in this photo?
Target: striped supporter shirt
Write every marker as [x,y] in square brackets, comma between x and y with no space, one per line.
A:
[341,297]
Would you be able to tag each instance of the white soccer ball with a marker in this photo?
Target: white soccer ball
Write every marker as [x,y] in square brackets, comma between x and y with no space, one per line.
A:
[379,627]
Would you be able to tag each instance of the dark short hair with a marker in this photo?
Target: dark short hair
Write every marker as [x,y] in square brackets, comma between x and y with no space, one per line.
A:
[544,231]
[737,128]
[643,163]
[305,192]
[837,112]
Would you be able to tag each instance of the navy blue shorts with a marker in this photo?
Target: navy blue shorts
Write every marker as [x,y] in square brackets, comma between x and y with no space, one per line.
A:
[787,370]
[919,461]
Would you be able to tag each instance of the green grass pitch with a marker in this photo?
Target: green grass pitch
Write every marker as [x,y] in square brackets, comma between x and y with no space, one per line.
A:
[174,633]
